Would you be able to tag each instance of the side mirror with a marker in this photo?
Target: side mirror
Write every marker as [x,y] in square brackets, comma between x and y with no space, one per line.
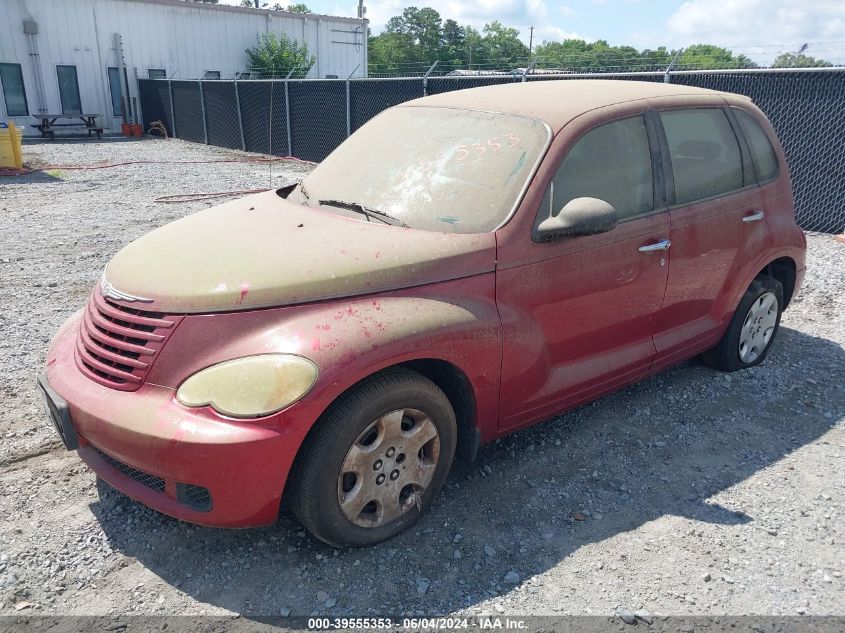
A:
[581,216]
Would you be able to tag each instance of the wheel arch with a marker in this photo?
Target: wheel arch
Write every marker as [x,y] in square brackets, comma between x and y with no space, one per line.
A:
[450,378]
[785,271]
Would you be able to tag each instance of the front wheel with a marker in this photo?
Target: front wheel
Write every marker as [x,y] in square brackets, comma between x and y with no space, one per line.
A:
[376,461]
[752,329]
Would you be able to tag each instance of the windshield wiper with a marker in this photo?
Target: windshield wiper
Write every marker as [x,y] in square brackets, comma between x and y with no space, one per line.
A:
[304,193]
[365,211]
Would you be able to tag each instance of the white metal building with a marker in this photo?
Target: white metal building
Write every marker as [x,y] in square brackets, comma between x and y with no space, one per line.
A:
[63,56]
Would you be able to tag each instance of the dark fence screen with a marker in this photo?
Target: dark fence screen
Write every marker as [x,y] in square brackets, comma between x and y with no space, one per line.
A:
[188,113]
[368,98]
[263,116]
[309,118]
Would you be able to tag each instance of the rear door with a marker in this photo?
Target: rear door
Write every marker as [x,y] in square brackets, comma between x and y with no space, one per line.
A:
[717,226]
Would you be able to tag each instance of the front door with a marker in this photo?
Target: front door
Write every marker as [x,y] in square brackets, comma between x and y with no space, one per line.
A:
[578,315]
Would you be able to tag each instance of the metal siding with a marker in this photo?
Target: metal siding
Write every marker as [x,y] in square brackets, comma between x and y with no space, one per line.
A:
[184,40]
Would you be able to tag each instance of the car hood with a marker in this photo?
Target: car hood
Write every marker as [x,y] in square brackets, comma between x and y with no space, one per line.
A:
[262,251]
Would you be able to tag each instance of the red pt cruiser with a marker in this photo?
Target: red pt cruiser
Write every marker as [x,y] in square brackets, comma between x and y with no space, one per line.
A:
[463,266]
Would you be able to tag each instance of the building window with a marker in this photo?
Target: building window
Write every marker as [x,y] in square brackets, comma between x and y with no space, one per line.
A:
[156,73]
[211,74]
[116,92]
[69,90]
[11,78]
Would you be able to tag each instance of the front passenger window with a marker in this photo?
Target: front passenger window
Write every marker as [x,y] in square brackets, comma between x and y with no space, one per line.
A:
[611,162]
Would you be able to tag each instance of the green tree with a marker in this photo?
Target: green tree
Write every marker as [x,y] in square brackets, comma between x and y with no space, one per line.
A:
[707,56]
[277,55]
[502,45]
[424,31]
[599,56]
[389,54]
[298,8]
[291,8]
[799,60]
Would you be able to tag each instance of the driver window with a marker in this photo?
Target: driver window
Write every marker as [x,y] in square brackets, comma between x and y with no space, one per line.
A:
[611,162]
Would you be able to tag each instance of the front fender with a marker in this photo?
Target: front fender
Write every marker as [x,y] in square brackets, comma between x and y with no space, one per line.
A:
[350,339]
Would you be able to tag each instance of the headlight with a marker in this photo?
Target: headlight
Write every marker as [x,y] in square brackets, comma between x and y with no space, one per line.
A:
[250,387]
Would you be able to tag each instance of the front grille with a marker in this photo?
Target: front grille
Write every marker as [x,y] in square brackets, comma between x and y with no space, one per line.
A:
[145,479]
[117,344]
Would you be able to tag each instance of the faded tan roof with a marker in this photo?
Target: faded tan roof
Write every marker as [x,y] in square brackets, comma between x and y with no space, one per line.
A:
[558,101]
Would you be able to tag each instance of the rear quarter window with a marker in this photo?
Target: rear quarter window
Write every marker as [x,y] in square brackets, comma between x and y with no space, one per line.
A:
[705,154]
[765,159]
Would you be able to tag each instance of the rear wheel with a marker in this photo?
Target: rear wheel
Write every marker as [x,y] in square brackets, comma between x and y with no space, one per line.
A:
[377,460]
[752,329]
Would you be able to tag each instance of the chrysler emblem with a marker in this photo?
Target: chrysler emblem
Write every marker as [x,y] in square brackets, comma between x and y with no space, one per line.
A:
[113,293]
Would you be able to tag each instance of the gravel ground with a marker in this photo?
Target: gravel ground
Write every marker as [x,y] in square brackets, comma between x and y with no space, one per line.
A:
[693,492]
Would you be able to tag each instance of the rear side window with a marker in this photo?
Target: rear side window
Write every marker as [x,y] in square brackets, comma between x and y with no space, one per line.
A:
[706,159]
[611,162]
[762,151]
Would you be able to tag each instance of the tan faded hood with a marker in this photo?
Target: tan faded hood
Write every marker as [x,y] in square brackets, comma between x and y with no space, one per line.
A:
[262,251]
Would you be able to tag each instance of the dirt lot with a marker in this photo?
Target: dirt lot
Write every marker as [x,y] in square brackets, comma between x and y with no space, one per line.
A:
[693,492]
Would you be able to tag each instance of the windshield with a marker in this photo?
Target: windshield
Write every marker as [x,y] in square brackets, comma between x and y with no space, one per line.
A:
[439,169]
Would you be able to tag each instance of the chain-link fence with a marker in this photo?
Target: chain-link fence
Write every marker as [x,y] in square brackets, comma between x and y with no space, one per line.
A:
[308,118]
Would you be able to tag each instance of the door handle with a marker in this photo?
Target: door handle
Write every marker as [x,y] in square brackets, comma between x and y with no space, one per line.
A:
[662,245]
[753,217]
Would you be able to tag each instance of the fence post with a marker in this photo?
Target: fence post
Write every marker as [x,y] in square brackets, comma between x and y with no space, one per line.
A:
[528,69]
[349,103]
[287,112]
[204,121]
[425,77]
[667,75]
[240,118]
[172,110]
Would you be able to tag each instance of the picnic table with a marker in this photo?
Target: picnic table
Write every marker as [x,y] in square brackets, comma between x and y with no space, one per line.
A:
[48,124]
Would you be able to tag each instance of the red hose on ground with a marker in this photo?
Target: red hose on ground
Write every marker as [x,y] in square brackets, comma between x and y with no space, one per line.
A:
[10,171]
[193,197]
[14,171]
[184,197]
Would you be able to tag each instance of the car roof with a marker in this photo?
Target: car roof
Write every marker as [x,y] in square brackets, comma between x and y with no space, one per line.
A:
[558,101]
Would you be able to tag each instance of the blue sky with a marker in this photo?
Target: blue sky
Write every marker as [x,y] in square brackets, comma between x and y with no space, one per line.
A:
[758,28]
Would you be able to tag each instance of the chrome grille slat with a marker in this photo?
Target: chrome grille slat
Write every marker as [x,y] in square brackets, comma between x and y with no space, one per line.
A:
[107,308]
[111,326]
[116,344]
[101,350]
[105,339]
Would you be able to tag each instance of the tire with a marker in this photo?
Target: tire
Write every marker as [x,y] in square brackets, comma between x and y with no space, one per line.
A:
[348,459]
[752,325]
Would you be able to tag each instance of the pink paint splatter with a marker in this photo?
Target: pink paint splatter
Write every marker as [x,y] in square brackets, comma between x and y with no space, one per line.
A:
[244,290]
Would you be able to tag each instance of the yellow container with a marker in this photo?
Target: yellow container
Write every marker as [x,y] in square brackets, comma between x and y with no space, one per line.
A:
[10,146]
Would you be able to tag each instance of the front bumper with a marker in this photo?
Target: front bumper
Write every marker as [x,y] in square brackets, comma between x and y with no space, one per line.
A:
[153,449]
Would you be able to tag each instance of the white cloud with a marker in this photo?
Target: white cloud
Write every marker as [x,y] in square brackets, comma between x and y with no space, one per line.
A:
[761,26]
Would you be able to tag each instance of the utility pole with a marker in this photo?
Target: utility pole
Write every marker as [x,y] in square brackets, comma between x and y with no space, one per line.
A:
[530,42]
